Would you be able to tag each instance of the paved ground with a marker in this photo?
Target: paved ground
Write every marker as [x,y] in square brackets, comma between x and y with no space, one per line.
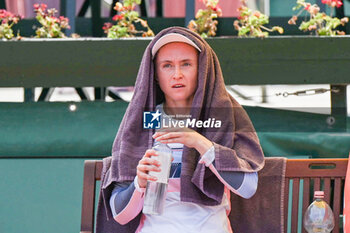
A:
[310,103]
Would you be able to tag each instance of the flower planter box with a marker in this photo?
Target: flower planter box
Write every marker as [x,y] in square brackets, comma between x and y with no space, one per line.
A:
[102,62]
[107,62]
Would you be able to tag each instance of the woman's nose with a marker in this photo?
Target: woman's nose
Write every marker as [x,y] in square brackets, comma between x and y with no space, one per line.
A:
[178,73]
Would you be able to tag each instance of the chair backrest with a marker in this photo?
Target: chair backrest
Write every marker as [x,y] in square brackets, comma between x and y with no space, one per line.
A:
[92,173]
[314,174]
[308,175]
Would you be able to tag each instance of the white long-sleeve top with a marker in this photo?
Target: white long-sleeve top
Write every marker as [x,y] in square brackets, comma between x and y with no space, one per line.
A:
[127,201]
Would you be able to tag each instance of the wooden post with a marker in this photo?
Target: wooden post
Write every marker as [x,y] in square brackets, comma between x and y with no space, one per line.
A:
[96,18]
[29,94]
[68,9]
[339,107]
[2,4]
[189,11]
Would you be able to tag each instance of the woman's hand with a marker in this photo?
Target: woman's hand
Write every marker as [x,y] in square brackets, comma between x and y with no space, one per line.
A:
[186,136]
[145,165]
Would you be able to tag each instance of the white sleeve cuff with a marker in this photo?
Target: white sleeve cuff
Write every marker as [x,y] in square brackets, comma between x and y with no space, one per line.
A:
[208,157]
[137,187]
[249,185]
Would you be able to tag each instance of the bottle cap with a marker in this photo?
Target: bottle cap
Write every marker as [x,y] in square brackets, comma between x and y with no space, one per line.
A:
[318,194]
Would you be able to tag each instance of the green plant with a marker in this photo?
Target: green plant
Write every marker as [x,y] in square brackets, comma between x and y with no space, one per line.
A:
[51,25]
[319,22]
[250,23]
[7,20]
[126,20]
[204,24]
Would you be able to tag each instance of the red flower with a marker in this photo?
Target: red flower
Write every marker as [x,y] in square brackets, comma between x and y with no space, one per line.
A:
[333,3]
[339,3]
[308,6]
[36,6]
[217,8]
[3,14]
[117,17]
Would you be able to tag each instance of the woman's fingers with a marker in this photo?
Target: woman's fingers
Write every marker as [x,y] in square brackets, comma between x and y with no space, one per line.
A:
[157,134]
[144,169]
[150,152]
[169,136]
[144,176]
[147,164]
[174,137]
[149,161]
[147,168]
[172,130]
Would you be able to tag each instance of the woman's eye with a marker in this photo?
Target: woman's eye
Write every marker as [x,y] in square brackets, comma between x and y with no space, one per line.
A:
[166,66]
[187,64]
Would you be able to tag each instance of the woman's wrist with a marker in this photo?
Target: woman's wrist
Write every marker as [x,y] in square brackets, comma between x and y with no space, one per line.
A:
[203,145]
[139,187]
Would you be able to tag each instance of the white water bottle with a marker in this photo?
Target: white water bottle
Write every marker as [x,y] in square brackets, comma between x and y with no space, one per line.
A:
[319,216]
[156,190]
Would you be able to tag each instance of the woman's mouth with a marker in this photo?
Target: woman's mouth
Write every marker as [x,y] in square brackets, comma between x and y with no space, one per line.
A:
[178,85]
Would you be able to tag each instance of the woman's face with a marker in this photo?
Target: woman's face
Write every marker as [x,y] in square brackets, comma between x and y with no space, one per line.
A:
[176,72]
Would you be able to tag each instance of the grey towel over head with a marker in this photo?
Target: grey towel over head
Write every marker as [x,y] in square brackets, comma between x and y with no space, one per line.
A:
[236,144]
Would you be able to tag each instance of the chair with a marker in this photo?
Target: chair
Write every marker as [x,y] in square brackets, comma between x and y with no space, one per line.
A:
[314,174]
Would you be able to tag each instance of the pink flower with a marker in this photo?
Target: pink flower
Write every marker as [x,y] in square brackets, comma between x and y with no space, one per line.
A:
[217,9]
[36,6]
[62,18]
[54,19]
[257,14]
[16,18]
[219,12]
[43,6]
[107,26]
[118,6]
